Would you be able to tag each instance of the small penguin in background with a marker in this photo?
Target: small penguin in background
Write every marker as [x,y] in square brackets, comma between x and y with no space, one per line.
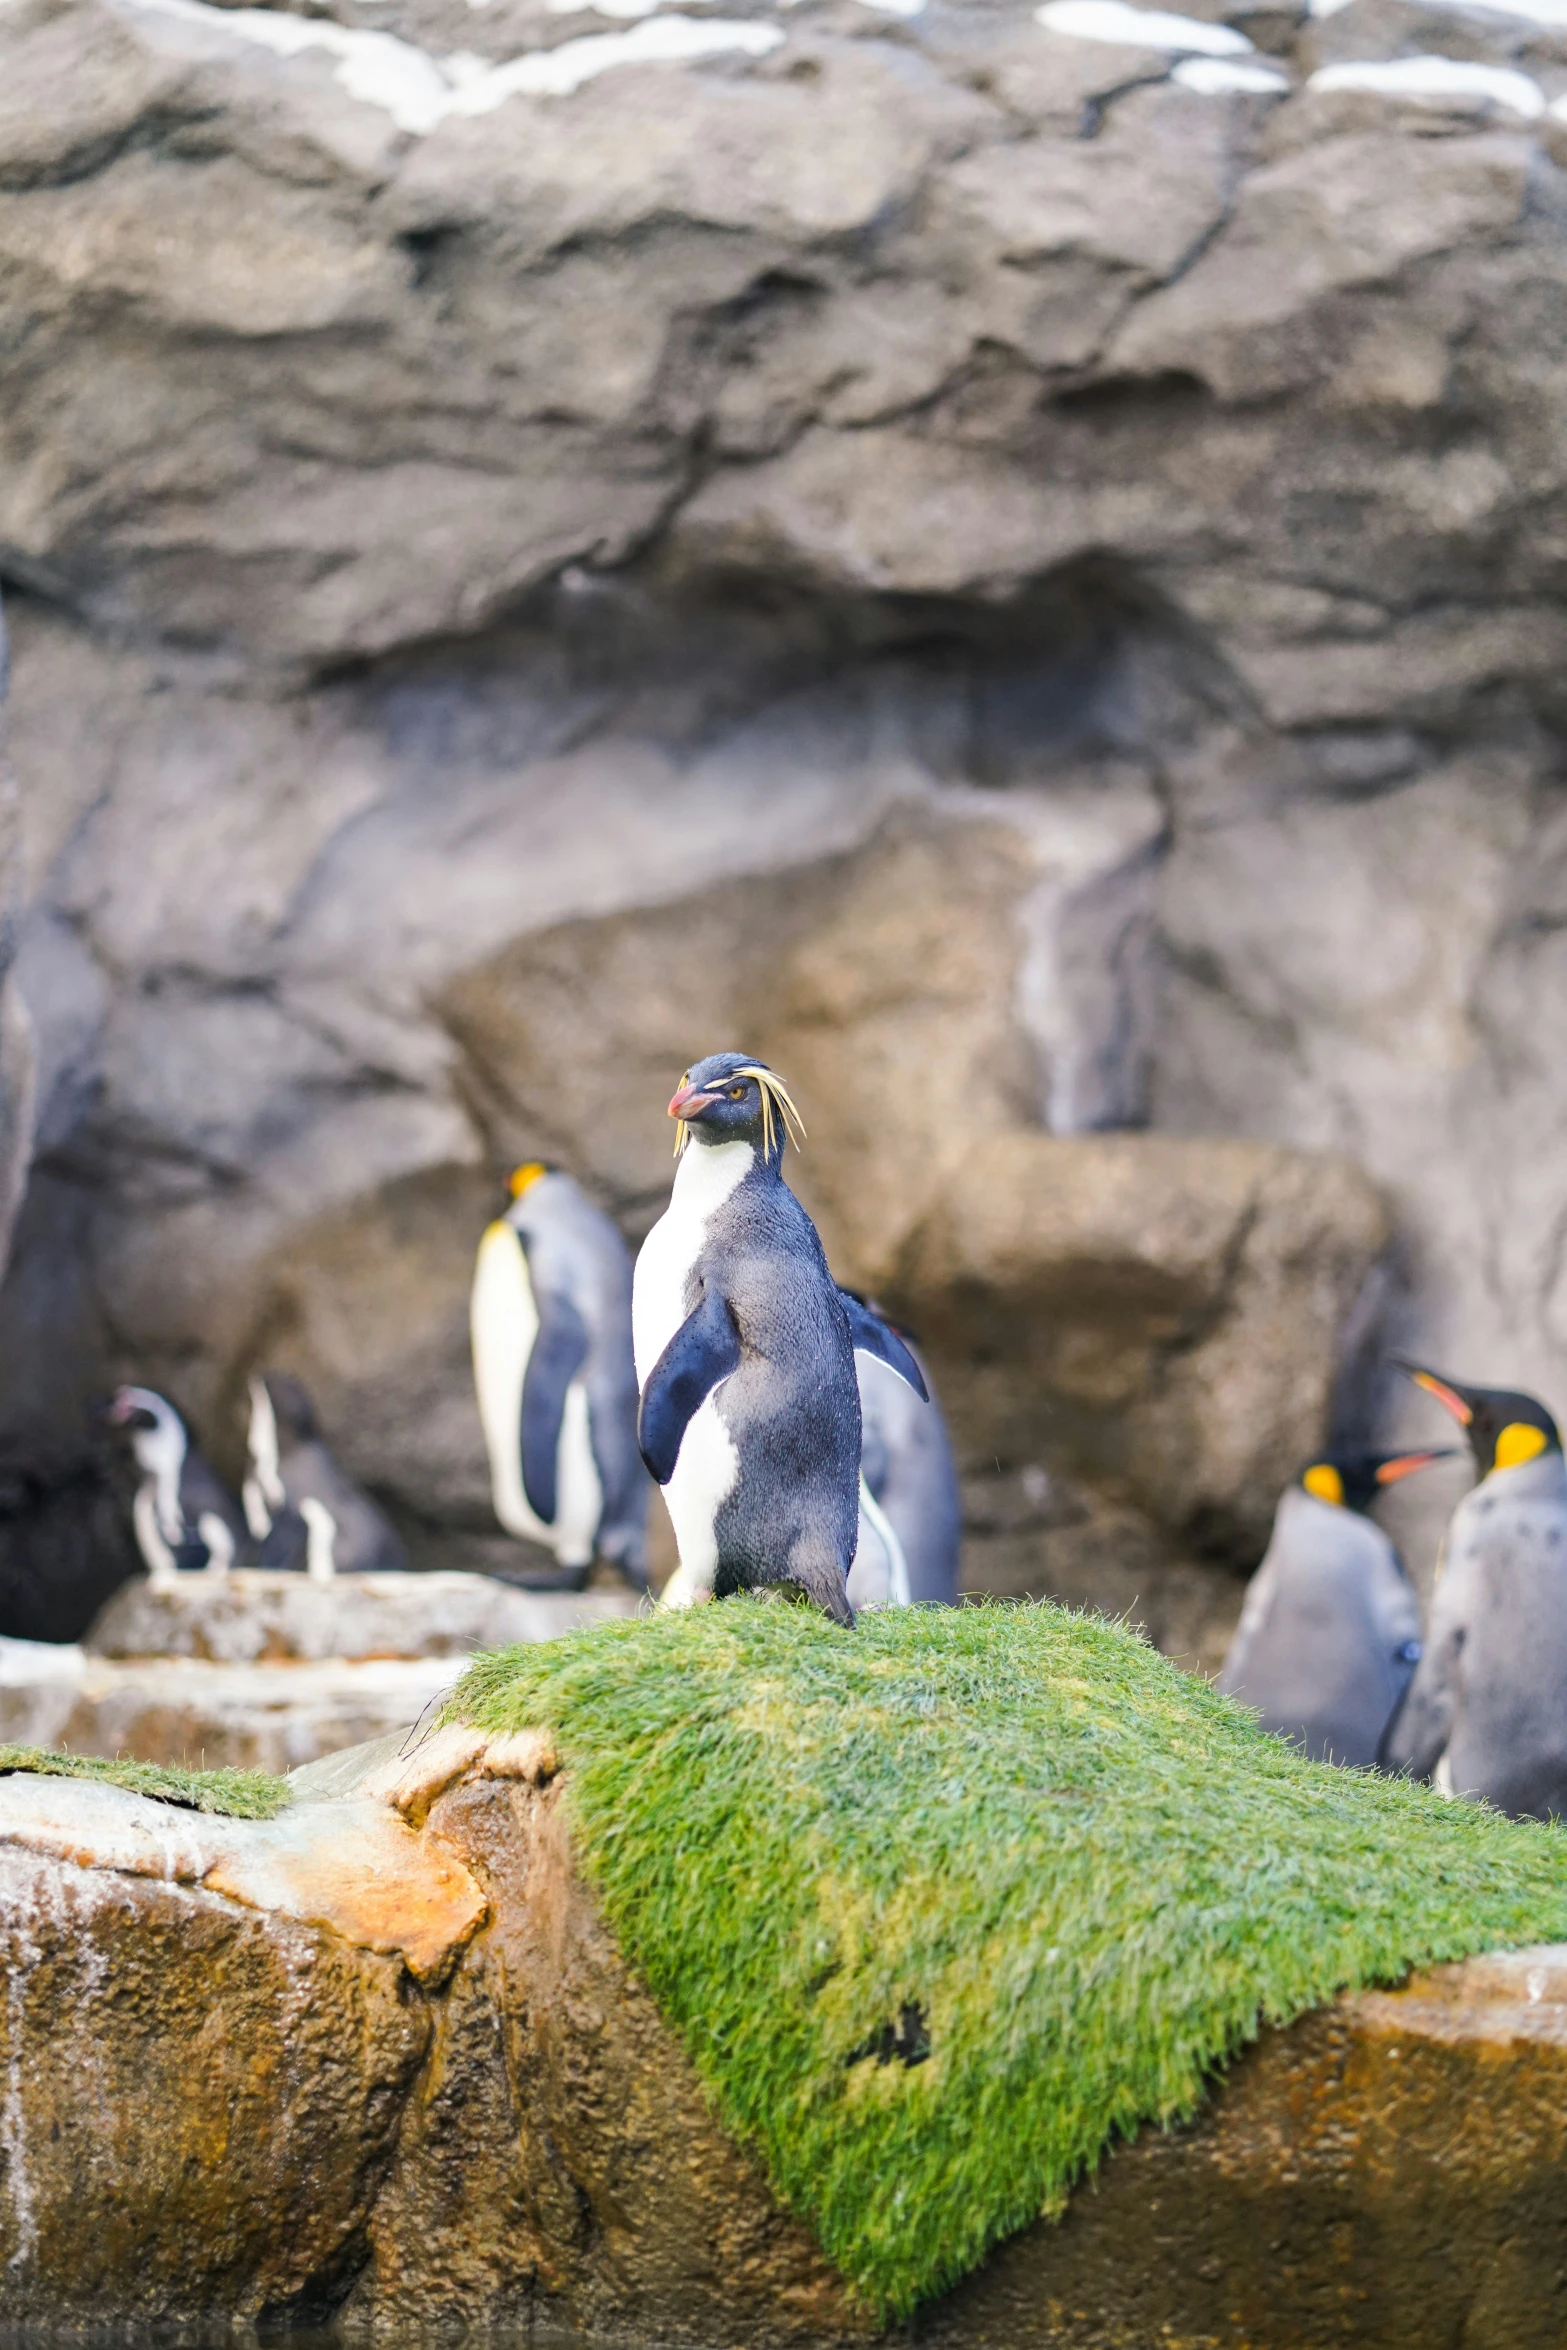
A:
[1330,1632]
[184,1516]
[301,1505]
[911,1512]
[550,1318]
[745,1348]
[1486,1714]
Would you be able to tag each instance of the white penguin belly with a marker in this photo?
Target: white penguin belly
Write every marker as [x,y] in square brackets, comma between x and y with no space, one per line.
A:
[579,1492]
[155,1551]
[870,1577]
[706,1473]
[504,1323]
[879,1576]
[706,1176]
[707,1466]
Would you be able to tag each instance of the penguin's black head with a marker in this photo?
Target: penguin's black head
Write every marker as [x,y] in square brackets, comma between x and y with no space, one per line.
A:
[292,1408]
[730,1097]
[1352,1480]
[1504,1427]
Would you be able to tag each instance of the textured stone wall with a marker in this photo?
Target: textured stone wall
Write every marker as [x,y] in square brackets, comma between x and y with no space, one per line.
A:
[1010,571]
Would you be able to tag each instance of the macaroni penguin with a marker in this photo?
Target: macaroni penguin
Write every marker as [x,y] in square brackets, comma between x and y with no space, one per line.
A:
[745,1345]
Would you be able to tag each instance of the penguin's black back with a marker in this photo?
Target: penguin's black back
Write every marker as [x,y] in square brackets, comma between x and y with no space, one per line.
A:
[792,1407]
[365,1543]
[204,1494]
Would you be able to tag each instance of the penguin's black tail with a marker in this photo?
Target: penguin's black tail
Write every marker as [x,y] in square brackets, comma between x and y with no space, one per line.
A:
[817,1572]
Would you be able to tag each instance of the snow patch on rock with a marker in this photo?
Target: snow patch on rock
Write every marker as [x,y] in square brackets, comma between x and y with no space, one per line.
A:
[1435,80]
[1118,25]
[419,91]
[1216,77]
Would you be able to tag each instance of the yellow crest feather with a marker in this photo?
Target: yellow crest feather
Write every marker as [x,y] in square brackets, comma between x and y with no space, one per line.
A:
[776,1104]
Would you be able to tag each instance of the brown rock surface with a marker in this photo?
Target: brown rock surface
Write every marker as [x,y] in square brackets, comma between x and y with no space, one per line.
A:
[1160,1317]
[203,2098]
[517,2142]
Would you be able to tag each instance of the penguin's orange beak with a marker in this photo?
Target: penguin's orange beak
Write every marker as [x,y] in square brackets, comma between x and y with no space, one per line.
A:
[1448,1397]
[691,1101]
[1405,1464]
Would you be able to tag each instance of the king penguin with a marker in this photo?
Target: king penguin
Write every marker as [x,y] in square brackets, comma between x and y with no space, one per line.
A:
[911,1514]
[1486,1714]
[550,1317]
[1330,1632]
[745,1349]
[301,1505]
[184,1515]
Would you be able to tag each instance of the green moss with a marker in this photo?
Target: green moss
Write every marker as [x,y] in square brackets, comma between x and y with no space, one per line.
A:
[1090,1875]
[239,1795]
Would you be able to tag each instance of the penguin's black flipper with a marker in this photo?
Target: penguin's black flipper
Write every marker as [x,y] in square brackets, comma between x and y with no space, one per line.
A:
[285,1542]
[557,1357]
[1415,1740]
[705,1349]
[872,1336]
[622,1527]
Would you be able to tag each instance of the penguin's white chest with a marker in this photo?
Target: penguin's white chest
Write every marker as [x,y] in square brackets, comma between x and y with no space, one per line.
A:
[708,1465]
[504,1324]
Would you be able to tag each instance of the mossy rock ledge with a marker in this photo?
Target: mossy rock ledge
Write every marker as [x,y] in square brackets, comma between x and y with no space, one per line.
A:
[401,2048]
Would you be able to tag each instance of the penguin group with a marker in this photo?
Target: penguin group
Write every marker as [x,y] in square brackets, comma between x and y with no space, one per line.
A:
[791,1429]
[1329,1649]
[299,1509]
[787,1423]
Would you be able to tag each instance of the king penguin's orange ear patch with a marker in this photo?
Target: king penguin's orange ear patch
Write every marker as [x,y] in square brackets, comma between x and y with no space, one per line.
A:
[522,1178]
[1324,1481]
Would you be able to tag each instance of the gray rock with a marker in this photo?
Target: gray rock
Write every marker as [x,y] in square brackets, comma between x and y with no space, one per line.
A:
[18,1041]
[1023,585]
[247,1716]
[269,1671]
[251,1616]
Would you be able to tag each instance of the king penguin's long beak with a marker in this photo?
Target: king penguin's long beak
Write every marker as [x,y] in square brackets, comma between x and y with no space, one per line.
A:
[1404,1464]
[1451,1398]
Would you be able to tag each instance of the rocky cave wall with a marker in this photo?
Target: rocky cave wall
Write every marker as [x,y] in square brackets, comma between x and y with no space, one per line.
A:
[1016,578]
